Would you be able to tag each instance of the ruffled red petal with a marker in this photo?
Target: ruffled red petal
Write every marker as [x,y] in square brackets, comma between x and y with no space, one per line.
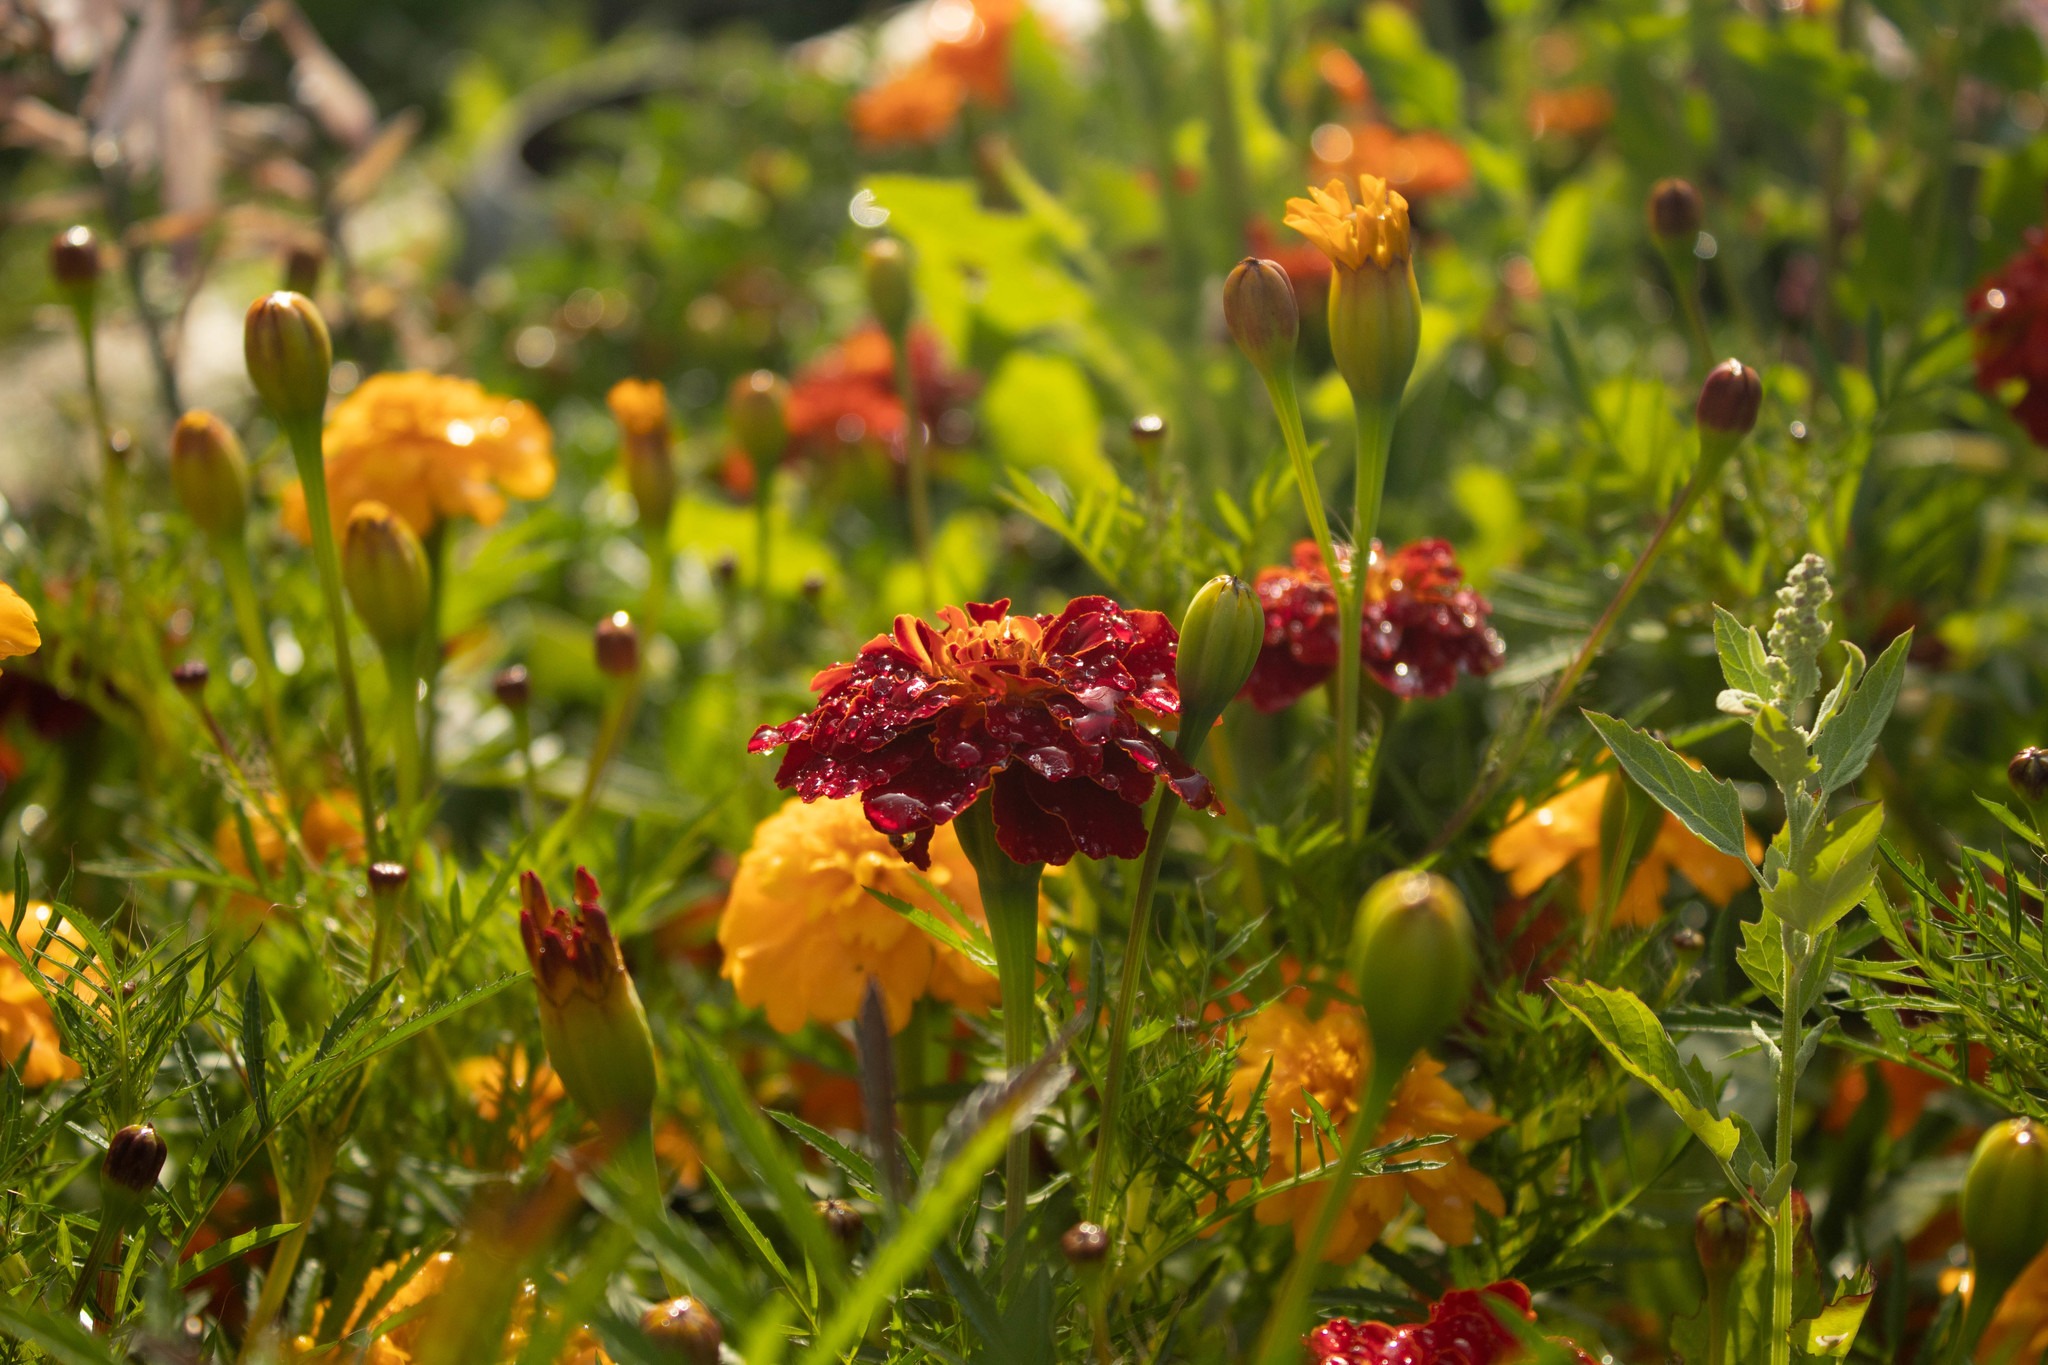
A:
[2011,320]
[1463,1329]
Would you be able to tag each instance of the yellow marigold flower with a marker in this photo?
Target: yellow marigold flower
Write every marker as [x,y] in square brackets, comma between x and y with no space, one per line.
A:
[397,1346]
[802,936]
[494,1080]
[26,1021]
[429,447]
[331,824]
[639,406]
[1534,847]
[1328,1059]
[1373,230]
[18,633]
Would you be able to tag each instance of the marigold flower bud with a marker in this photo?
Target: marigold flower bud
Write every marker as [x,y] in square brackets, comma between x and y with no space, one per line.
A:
[618,645]
[1675,211]
[386,573]
[135,1158]
[289,355]
[1148,430]
[1729,400]
[842,1220]
[1220,639]
[302,267]
[388,879]
[2004,1203]
[210,474]
[1411,962]
[1720,1233]
[757,411]
[191,676]
[512,687]
[683,1329]
[886,264]
[1084,1244]
[75,263]
[2028,774]
[590,1015]
[1258,304]
[640,407]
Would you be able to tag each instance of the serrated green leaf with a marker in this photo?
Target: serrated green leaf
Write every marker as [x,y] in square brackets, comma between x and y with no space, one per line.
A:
[1847,740]
[1780,750]
[1742,654]
[1703,803]
[1629,1031]
[1833,877]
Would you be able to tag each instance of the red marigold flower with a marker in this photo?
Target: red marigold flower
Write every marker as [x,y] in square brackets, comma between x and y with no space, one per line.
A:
[1041,711]
[1462,1330]
[1423,624]
[2011,313]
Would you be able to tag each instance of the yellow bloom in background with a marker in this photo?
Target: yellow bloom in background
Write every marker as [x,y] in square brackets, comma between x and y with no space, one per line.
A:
[2018,1329]
[331,824]
[1374,230]
[18,633]
[639,406]
[429,447]
[26,1020]
[1328,1058]
[802,936]
[1534,847]
[491,1082]
[397,1346]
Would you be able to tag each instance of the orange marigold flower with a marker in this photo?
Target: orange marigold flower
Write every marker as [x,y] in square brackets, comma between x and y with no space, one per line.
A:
[639,406]
[429,447]
[1534,847]
[1374,231]
[969,58]
[399,1344]
[495,1080]
[1908,1088]
[802,935]
[1328,1059]
[2019,1325]
[918,106]
[848,396]
[1419,164]
[29,1041]
[1345,77]
[1574,112]
[2010,314]
[1424,625]
[330,825]
[1043,712]
[18,633]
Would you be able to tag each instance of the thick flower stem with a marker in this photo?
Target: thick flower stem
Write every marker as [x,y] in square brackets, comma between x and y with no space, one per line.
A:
[1375,440]
[305,439]
[917,460]
[1126,1000]
[405,744]
[1009,895]
[1281,1342]
[233,555]
[284,1262]
[1784,1235]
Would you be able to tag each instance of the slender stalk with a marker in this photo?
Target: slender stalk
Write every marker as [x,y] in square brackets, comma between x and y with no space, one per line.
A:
[917,458]
[233,557]
[104,1240]
[1375,440]
[297,1207]
[618,713]
[1717,1321]
[1685,282]
[529,783]
[1104,1166]
[305,439]
[1784,1235]
[403,714]
[435,543]
[1281,1342]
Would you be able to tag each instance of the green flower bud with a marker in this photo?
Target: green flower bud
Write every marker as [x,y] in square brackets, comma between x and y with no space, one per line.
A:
[885,262]
[757,410]
[1675,211]
[287,350]
[2004,1203]
[1259,306]
[683,1330]
[1411,962]
[210,474]
[386,573]
[135,1158]
[590,1016]
[1220,637]
[2028,774]
[1720,1233]
[75,264]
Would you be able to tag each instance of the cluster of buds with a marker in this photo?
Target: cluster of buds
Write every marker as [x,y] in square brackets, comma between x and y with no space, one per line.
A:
[590,1016]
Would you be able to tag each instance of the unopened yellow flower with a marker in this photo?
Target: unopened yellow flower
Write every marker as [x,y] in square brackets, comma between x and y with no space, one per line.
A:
[18,633]
[1328,1058]
[1564,830]
[429,447]
[26,1021]
[1372,231]
[802,936]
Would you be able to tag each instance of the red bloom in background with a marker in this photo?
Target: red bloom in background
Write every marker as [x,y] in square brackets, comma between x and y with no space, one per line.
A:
[1423,625]
[2011,313]
[1462,1330]
[1041,711]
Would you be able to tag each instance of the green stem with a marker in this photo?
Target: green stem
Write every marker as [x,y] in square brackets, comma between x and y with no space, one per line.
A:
[917,458]
[1281,1342]
[435,543]
[1784,1235]
[1126,1000]
[1685,282]
[1987,1288]
[1375,440]
[284,1262]
[232,553]
[305,439]
[1717,1320]
[529,784]
[403,714]
[113,1219]
[618,716]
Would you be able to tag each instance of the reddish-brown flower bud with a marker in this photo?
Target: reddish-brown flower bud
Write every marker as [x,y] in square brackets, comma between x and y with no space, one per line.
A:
[512,687]
[388,879]
[191,676]
[1720,1233]
[1258,303]
[2028,774]
[75,262]
[758,410]
[302,267]
[1729,400]
[885,264]
[288,352]
[210,474]
[683,1330]
[1084,1244]
[135,1158]
[842,1220]
[618,645]
[590,1015]
[1675,211]
[1148,431]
